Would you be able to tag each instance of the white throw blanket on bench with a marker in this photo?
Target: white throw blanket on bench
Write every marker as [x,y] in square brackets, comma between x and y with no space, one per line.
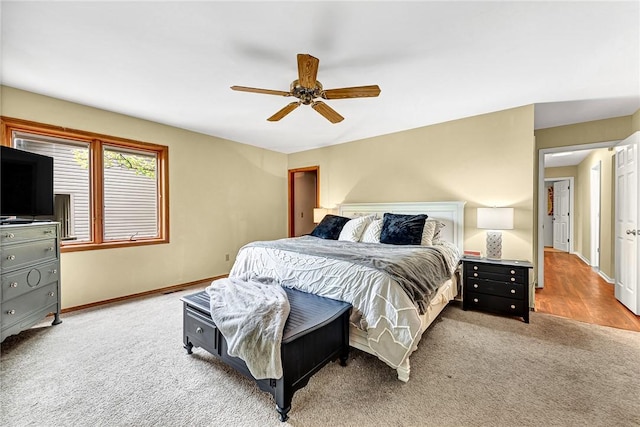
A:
[251,315]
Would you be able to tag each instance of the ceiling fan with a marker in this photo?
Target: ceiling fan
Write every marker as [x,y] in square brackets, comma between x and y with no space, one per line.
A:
[306,88]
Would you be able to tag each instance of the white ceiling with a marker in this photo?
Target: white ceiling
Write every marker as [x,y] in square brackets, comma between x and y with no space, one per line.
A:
[565,158]
[173,62]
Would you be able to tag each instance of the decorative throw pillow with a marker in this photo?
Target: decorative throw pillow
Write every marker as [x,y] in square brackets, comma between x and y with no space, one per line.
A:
[428,232]
[352,230]
[372,232]
[330,227]
[402,229]
[439,226]
[431,232]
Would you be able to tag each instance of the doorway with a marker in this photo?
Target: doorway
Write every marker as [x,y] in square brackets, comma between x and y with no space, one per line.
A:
[575,277]
[304,196]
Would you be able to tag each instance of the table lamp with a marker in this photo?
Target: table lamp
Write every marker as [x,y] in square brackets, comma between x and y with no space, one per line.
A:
[494,220]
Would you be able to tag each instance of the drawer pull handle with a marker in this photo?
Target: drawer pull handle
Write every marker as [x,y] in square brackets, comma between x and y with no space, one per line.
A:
[11,257]
[13,284]
[475,300]
[513,291]
[199,330]
[51,294]
[475,267]
[10,235]
[50,248]
[11,312]
[475,274]
[513,307]
[48,231]
[475,285]
[513,272]
[54,271]
[513,279]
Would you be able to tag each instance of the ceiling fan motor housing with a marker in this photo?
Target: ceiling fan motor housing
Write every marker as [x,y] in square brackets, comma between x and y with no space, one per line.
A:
[306,95]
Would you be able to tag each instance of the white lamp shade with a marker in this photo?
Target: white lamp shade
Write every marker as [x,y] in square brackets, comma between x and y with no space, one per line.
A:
[495,218]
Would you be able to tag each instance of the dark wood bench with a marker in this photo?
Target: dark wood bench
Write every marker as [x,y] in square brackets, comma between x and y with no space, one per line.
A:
[316,332]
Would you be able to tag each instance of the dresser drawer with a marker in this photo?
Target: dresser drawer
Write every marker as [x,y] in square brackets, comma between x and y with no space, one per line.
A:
[25,254]
[17,234]
[490,287]
[495,272]
[495,303]
[17,283]
[16,309]
[201,331]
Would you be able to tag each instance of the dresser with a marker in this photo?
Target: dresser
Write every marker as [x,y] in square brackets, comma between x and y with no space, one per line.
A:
[30,271]
[500,286]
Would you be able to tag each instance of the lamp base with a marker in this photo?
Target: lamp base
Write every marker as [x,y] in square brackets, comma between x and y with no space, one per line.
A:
[494,244]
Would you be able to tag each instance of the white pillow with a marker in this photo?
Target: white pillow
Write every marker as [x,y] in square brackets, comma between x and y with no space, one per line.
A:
[372,232]
[353,229]
[431,232]
[427,233]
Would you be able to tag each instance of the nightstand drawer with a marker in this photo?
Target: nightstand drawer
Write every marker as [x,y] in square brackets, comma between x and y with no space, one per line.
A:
[201,331]
[495,272]
[490,287]
[495,303]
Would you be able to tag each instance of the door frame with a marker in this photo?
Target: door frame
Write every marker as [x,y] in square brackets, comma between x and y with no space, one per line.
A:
[596,210]
[290,185]
[542,196]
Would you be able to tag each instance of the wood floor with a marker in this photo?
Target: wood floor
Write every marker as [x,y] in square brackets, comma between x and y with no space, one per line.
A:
[574,290]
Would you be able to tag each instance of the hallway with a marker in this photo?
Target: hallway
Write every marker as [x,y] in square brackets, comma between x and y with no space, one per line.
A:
[572,289]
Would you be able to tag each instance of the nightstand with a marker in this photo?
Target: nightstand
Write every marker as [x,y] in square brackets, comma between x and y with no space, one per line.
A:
[500,286]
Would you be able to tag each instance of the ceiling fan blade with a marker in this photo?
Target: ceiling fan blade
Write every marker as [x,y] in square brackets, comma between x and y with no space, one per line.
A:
[307,70]
[328,112]
[256,90]
[284,111]
[352,92]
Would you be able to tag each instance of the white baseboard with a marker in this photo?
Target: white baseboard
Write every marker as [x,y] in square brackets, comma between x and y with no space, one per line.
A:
[606,278]
[600,273]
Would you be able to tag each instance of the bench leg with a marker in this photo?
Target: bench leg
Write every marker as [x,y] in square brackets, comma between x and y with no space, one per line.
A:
[344,356]
[283,412]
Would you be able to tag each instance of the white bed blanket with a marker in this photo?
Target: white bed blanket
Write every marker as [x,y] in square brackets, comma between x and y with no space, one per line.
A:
[251,315]
[381,308]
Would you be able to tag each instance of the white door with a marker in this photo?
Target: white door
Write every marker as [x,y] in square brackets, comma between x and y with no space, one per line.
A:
[626,256]
[561,215]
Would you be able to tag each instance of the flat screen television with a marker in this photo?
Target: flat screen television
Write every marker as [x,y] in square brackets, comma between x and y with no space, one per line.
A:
[26,185]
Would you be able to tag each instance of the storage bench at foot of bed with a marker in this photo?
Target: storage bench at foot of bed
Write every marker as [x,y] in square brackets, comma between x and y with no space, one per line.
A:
[316,332]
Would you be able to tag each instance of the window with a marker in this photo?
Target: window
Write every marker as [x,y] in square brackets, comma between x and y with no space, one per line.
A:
[109,191]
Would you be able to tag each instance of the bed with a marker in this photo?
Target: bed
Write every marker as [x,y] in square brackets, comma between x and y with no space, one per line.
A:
[386,320]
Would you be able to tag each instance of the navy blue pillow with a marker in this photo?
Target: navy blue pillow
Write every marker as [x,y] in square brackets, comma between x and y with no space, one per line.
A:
[330,227]
[402,229]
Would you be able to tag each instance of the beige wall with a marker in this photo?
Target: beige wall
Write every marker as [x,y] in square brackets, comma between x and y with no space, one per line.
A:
[484,160]
[222,195]
[614,129]
[583,209]
[635,121]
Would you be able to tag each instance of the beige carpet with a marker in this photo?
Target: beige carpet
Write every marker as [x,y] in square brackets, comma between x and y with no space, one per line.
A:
[124,365]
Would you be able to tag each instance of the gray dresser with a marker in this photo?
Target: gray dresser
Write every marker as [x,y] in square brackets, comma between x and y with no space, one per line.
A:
[30,268]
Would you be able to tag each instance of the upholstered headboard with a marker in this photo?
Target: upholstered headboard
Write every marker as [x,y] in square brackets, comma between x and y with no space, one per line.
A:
[451,213]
